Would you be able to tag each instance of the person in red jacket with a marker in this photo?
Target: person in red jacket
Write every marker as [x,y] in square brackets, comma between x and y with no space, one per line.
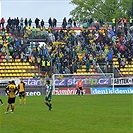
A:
[2,22]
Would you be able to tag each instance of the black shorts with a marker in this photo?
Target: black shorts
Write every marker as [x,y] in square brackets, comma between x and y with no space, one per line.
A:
[48,99]
[11,100]
[21,94]
[80,88]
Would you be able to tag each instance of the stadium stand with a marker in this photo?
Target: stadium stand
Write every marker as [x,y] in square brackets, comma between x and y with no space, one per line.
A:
[26,51]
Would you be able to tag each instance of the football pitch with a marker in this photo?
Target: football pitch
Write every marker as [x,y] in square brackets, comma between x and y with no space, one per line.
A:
[70,114]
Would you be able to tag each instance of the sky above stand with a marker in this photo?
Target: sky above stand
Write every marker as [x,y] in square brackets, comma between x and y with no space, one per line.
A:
[42,9]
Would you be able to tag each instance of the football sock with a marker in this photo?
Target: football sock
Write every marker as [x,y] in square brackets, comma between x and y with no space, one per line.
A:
[24,100]
[20,101]
[1,101]
[79,93]
[7,108]
[82,93]
[47,104]
[50,105]
[12,106]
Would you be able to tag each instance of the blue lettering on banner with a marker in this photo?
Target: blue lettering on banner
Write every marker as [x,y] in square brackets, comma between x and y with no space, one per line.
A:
[126,90]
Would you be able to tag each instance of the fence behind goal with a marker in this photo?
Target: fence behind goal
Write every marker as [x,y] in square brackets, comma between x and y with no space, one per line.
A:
[66,83]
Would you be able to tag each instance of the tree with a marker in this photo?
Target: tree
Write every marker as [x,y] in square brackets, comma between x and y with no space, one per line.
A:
[105,9]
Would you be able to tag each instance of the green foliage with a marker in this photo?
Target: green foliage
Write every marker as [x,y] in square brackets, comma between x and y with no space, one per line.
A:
[105,9]
[70,114]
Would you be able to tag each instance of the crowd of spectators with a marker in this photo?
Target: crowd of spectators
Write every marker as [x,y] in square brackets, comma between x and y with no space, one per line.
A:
[65,49]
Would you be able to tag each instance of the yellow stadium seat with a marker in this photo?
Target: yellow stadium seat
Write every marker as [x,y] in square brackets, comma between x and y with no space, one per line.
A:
[1,67]
[18,75]
[4,60]
[2,71]
[23,71]
[10,74]
[9,63]
[83,66]
[3,74]
[19,71]
[12,63]
[13,71]
[83,70]
[2,64]
[7,67]
[8,71]
[14,75]
[16,71]
[7,75]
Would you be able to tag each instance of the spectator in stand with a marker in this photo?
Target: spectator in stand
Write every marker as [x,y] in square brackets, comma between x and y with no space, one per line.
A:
[123,63]
[30,22]
[90,20]
[33,32]
[119,58]
[101,22]
[74,23]
[85,24]
[113,23]
[64,23]
[7,57]
[21,22]
[54,22]
[131,21]
[22,57]
[129,59]
[26,22]
[37,22]
[42,23]
[50,22]
[70,22]
[125,22]
[2,22]
[9,22]
[17,22]
[87,66]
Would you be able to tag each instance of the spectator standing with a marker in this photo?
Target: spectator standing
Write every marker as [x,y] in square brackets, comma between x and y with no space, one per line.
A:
[17,22]
[50,22]
[9,22]
[54,22]
[74,23]
[42,23]
[7,57]
[37,22]
[22,57]
[69,22]
[2,22]
[131,21]
[125,22]
[26,22]
[90,20]
[30,22]
[21,22]
[64,23]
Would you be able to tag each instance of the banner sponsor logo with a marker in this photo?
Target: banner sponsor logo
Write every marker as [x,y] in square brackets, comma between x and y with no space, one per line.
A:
[69,91]
[118,90]
[35,93]
[87,82]
[70,82]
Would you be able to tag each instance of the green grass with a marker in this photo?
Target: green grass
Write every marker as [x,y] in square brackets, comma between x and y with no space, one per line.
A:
[70,114]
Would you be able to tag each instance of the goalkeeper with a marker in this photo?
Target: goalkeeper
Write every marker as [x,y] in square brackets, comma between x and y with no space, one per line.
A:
[79,87]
